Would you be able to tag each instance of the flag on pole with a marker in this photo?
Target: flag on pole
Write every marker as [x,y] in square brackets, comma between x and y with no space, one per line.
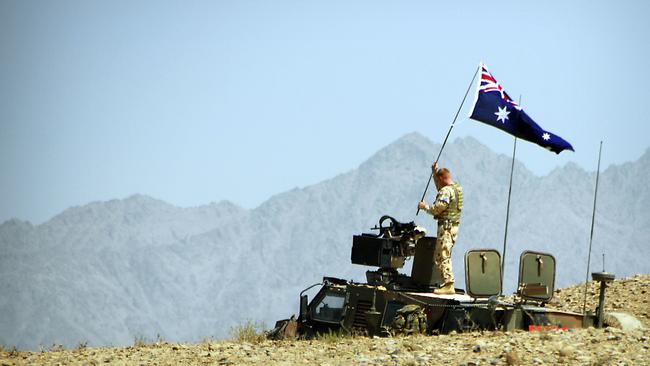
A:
[493,106]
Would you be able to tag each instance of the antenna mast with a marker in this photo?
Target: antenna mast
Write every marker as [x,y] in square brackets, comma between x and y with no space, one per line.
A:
[591,236]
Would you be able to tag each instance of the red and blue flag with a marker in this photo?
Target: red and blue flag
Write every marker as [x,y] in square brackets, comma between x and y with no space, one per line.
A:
[493,106]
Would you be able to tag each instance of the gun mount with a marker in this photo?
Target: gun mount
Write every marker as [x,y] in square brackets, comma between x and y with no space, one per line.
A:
[390,248]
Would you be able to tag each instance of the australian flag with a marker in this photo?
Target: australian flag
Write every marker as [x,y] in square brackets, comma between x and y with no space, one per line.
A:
[492,105]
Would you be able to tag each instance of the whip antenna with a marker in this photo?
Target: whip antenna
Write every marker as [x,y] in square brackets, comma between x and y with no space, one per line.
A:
[591,236]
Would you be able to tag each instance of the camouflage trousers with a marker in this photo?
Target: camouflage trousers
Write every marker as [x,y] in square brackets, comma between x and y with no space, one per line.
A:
[447,234]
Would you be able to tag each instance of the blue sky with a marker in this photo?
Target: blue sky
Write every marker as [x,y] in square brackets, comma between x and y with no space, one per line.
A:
[193,102]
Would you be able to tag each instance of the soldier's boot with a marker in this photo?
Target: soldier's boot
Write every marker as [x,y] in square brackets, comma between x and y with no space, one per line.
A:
[447,289]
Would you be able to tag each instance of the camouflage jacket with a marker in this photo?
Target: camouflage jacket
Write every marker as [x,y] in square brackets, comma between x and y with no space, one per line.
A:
[448,204]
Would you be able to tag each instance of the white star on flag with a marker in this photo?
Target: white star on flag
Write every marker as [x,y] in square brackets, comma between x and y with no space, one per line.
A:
[502,114]
[546,136]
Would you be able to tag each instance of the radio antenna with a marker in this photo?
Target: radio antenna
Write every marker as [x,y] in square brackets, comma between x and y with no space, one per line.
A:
[591,236]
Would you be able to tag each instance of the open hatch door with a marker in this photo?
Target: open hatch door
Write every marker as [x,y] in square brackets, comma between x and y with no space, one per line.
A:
[536,276]
[483,272]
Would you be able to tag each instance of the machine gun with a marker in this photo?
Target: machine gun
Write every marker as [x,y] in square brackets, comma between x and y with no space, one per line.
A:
[389,249]
[406,232]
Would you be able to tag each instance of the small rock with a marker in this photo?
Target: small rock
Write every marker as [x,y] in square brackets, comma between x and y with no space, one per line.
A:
[566,352]
[362,360]
[422,359]
[224,361]
[512,358]
[476,348]
[584,359]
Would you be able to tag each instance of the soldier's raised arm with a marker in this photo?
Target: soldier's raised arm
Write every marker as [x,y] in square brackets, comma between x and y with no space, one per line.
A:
[436,178]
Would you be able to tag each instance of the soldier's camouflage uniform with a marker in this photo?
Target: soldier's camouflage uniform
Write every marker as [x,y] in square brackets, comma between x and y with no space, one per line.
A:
[446,209]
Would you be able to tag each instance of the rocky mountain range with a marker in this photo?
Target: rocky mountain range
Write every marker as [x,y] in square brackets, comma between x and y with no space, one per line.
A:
[109,272]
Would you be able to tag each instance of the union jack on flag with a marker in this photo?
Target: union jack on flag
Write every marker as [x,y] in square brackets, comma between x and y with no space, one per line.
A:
[489,83]
[493,106]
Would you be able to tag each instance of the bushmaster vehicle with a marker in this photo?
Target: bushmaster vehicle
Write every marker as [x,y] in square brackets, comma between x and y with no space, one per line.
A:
[373,308]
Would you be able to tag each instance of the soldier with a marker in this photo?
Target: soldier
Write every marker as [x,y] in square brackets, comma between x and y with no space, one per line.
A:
[446,209]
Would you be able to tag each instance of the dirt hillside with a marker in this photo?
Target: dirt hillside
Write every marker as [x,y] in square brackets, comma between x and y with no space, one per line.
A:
[609,346]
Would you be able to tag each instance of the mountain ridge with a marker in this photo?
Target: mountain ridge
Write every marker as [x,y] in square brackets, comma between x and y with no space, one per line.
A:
[412,138]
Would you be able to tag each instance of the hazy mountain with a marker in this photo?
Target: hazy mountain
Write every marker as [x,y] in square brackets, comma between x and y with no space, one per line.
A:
[111,271]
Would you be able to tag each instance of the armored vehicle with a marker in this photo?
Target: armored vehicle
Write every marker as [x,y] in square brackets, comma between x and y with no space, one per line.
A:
[392,302]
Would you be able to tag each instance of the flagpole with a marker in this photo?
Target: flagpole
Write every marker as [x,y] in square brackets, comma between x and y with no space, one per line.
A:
[591,235]
[447,137]
[505,234]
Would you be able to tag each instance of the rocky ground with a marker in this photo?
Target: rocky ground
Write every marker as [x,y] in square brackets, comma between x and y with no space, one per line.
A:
[630,295]
[609,346]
